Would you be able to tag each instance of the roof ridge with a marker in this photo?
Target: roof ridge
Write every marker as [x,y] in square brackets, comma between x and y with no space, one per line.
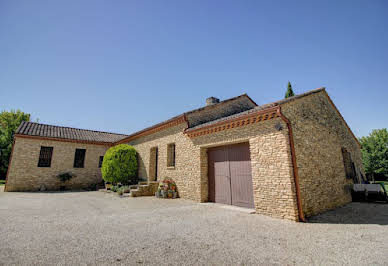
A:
[217,104]
[297,96]
[259,108]
[90,130]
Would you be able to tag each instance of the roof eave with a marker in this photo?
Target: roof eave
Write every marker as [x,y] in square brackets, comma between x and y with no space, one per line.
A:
[64,140]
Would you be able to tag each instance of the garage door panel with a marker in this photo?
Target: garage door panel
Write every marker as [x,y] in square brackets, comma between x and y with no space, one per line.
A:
[230,178]
[241,176]
[219,183]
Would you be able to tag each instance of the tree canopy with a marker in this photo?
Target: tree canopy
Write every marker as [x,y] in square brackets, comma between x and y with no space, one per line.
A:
[9,122]
[374,149]
[289,91]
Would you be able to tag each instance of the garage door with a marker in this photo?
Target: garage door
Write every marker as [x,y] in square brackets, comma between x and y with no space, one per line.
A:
[230,177]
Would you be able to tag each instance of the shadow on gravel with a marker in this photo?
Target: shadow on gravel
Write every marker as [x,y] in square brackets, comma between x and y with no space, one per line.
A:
[355,213]
[51,192]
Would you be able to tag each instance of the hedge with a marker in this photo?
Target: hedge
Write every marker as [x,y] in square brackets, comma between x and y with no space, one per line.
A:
[120,165]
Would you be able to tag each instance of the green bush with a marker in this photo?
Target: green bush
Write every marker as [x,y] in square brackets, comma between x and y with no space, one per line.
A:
[120,165]
[66,176]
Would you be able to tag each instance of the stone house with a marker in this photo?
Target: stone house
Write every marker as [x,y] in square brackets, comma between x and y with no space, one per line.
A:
[289,159]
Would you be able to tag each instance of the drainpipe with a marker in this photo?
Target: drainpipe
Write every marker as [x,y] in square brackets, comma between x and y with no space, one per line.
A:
[294,166]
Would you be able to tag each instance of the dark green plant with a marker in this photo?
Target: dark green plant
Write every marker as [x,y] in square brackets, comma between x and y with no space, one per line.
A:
[374,149]
[120,165]
[289,91]
[9,122]
[92,187]
[66,176]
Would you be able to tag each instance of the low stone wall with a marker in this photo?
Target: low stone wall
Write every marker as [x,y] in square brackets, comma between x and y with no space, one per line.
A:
[145,189]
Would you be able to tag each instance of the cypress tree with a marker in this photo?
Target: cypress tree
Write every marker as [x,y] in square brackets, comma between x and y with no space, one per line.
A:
[289,91]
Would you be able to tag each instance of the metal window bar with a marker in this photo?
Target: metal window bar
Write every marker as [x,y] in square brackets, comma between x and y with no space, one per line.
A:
[45,156]
[79,158]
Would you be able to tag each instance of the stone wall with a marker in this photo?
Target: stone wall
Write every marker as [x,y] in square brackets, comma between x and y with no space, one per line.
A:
[272,177]
[25,175]
[274,191]
[319,134]
[186,172]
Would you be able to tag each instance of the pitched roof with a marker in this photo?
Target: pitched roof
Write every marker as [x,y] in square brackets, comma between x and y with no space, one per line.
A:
[201,115]
[265,109]
[256,109]
[66,133]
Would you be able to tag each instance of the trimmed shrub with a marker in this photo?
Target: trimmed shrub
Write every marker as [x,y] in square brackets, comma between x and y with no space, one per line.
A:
[120,165]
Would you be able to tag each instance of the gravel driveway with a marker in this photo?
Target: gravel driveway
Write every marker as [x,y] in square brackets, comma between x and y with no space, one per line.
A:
[98,228]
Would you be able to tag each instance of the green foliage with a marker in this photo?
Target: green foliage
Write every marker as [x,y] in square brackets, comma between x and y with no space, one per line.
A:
[374,149]
[120,165]
[384,183]
[125,189]
[289,91]
[2,182]
[66,176]
[9,122]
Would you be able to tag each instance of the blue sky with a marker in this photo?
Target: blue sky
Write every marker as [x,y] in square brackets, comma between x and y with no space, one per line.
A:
[121,66]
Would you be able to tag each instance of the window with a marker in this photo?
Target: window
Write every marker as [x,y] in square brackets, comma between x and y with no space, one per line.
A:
[171,155]
[45,156]
[350,169]
[79,158]
[100,162]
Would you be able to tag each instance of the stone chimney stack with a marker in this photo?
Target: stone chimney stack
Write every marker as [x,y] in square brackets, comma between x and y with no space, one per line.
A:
[212,100]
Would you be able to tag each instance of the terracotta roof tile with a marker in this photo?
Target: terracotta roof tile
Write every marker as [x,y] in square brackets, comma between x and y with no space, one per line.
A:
[50,131]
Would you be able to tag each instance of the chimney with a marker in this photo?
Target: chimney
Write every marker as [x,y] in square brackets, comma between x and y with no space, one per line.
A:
[212,100]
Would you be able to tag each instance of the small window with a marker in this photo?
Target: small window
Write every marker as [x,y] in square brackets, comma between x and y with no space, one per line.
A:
[45,156]
[100,161]
[79,158]
[348,164]
[171,155]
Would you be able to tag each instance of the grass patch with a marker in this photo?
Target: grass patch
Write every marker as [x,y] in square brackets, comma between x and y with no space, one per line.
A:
[2,182]
[385,184]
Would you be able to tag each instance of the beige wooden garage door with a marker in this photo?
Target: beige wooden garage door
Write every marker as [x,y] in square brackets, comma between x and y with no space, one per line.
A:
[230,177]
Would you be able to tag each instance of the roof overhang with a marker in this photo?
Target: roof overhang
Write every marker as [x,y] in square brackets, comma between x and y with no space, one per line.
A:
[251,118]
[158,127]
[64,140]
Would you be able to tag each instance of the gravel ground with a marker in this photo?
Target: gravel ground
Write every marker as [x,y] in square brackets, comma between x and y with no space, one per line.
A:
[99,228]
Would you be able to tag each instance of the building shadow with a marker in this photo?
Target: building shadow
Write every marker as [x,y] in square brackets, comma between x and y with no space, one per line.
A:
[355,213]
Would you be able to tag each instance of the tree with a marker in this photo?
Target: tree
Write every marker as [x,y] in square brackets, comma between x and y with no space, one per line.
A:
[374,149]
[289,91]
[120,164]
[9,122]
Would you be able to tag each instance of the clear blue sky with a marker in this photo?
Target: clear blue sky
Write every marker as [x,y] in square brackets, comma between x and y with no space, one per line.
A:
[121,66]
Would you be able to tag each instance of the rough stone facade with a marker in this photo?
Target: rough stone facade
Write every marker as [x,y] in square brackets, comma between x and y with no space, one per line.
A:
[186,170]
[319,134]
[25,175]
[272,178]
[274,191]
